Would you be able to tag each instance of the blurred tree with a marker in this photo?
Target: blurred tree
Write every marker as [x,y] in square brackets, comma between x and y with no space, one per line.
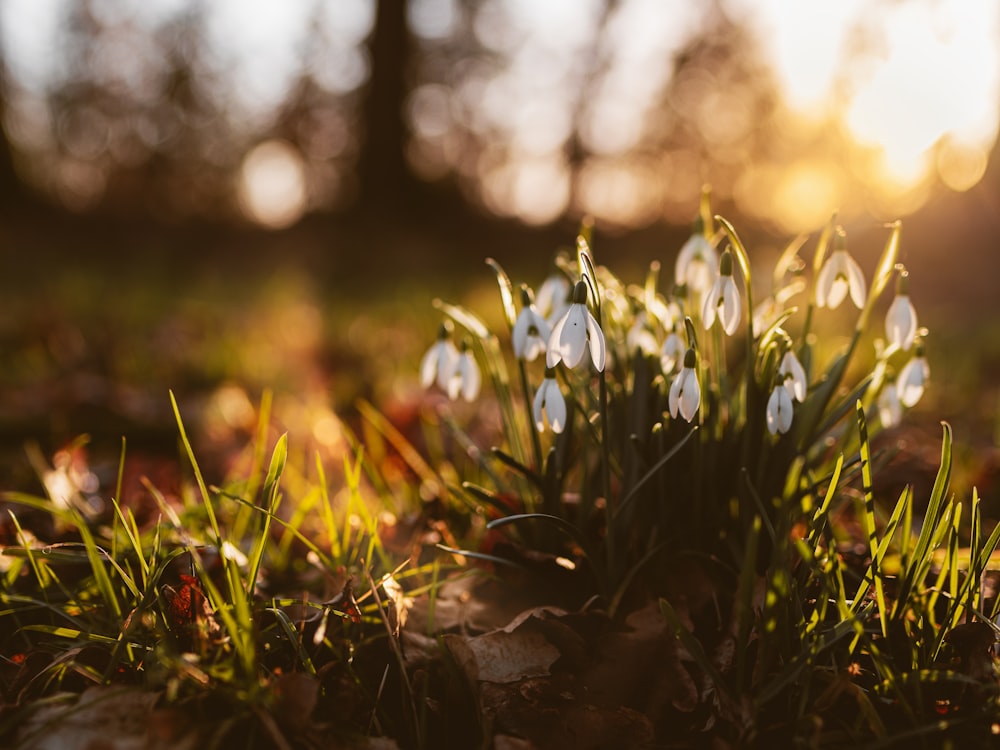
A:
[618,109]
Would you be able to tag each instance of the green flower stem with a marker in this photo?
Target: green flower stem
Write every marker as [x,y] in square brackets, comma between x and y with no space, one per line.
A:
[535,442]
[719,344]
[606,470]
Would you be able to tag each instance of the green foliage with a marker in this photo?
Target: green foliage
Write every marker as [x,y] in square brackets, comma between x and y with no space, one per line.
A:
[223,598]
[835,620]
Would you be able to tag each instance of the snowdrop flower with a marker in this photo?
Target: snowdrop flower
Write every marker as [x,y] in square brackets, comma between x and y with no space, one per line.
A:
[697,261]
[768,311]
[685,393]
[779,410]
[464,377]
[439,361]
[890,410]
[551,298]
[793,376]
[576,331]
[724,298]
[839,276]
[531,331]
[549,404]
[913,376]
[901,317]
[639,337]
[671,352]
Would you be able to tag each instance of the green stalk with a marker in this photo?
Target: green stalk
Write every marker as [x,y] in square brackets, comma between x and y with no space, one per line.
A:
[606,470]
[536,443]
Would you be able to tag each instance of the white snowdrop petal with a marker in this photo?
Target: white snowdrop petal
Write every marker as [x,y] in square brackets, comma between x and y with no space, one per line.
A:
[673,397]
[519,335]
[538,406]
[555,408]
[890,410]
[730,313]
[911,380]
[838,293]
[598,347]
[856,281]
[553,352]
[428,367]
[794,376]
[690,398]
[470,377]
[901,322]
[573,339]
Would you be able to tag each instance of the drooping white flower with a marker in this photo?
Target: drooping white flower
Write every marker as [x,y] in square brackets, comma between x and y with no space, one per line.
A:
[549,404]
[575,332]
[723,301]
[901,318]
[671,353]
[531,330]
[793,376]
[439,361]
[912,378]
[697,261]
[685,392]
[639,336]
[890,410]
[464,378]
[767,312]
[779,410]
[552,295]
[839,276]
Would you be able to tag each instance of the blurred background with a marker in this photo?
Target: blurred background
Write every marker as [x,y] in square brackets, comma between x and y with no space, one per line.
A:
[223,195]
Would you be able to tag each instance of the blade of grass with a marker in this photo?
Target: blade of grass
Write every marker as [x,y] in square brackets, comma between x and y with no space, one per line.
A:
[271,495]
[871,532]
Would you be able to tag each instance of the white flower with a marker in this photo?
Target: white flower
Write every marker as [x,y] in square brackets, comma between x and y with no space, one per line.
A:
[685,393]
[901,322]
[697,262]
[439,361]
[549,404]
[671,353]
[911,380]
[576,331]
[779,410]
[639,337]
[552,295]
[724,299]
[768,311]
[531,331]
[890,410]
[839,275]
[464,377]
[793,376]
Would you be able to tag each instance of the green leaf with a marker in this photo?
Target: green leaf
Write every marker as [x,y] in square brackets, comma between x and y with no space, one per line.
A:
[506,292]
[869,519]
[883,273]
[468,320]
[274,470]
[932,518]
[694,648]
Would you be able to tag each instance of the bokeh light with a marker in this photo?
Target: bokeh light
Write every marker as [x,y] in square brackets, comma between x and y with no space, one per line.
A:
[616,110]
[272,185]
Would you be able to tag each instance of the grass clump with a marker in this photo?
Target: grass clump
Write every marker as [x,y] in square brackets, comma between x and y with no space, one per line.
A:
[695,435]
[247,621]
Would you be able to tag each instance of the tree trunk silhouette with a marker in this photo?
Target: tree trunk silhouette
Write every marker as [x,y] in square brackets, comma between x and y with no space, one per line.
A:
[384,178]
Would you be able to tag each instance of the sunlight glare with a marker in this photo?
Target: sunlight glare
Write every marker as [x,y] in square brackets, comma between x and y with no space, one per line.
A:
[916,84]
[939,77]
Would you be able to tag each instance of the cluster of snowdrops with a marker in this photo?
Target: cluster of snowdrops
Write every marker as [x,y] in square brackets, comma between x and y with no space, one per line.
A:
[562,323]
